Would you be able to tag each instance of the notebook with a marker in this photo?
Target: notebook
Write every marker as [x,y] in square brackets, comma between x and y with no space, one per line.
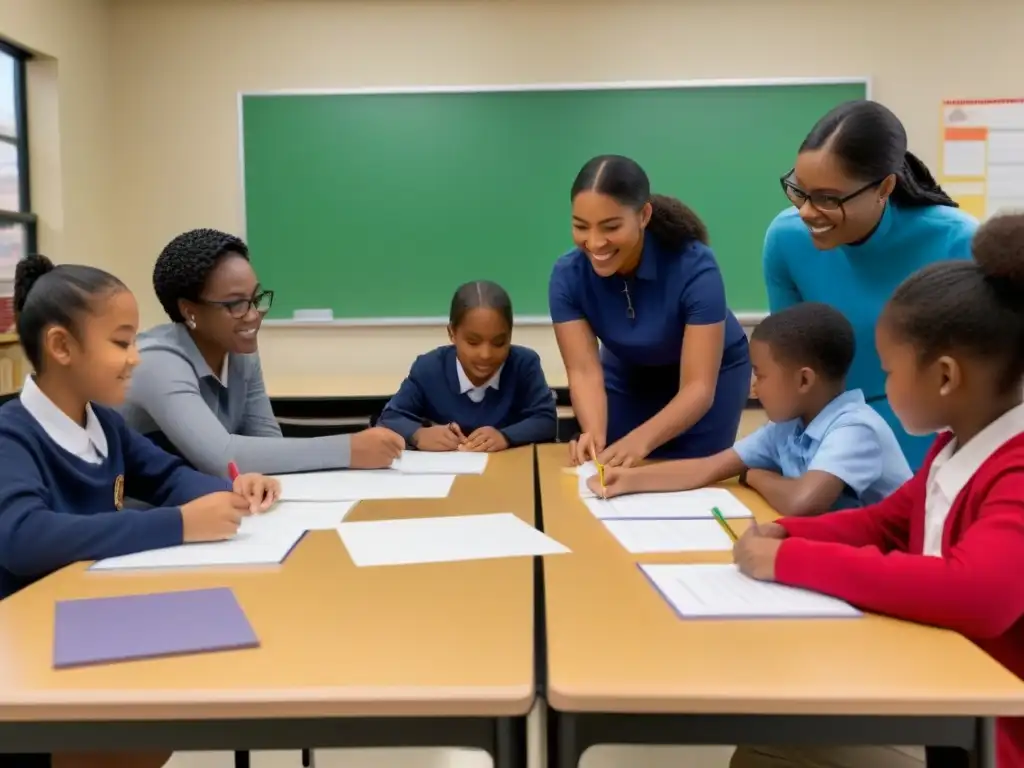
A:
[714,591]
[109,629]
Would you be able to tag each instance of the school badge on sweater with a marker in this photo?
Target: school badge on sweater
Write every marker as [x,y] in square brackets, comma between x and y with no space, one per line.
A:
[119,493]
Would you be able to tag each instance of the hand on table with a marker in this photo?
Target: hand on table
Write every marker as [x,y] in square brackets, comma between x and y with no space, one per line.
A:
[756,550]
[440,437]
[214,517]
[617,482]
[625,452]
[485,440]
[375,448]
[585,448]
[260,491]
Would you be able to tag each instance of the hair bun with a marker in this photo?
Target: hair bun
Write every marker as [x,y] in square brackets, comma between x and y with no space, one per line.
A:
[28,271]
[998,249]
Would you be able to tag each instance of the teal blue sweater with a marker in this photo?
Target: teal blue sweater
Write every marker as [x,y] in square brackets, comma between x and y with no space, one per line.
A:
[858,280]
[56,509]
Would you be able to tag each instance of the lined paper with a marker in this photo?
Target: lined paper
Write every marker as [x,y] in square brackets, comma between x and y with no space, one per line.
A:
[639,536]
[262,547]
[444,539]
[721,591]
[360,484]
[441,463]
[300,515]
[696,504]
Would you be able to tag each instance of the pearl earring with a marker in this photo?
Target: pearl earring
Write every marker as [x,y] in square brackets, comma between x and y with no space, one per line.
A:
[192,323]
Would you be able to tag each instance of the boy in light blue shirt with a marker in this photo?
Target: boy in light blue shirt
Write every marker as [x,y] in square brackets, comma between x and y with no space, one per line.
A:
[824,447]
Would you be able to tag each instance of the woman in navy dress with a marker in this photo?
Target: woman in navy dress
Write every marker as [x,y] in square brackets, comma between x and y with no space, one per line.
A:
[671,376]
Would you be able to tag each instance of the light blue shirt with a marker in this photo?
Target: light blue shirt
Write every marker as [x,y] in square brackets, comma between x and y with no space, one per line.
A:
[848,439]
[858,280]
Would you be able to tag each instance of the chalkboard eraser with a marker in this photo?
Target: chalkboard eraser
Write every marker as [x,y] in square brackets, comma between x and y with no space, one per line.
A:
[313,315]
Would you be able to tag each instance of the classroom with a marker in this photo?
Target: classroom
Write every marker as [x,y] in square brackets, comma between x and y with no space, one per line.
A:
[139,120]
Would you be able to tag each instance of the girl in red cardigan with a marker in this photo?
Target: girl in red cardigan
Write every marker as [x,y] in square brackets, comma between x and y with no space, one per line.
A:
[945,549]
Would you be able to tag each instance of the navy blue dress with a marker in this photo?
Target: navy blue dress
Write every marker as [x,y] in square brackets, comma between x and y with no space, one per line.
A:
[641,355]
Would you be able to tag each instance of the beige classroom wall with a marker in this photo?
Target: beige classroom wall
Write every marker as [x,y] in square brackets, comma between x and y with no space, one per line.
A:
[178,65]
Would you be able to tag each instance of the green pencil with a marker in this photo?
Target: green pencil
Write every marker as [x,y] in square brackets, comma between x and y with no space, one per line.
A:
[721,521]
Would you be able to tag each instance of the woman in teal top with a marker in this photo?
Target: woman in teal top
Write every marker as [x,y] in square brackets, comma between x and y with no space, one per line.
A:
[867,214]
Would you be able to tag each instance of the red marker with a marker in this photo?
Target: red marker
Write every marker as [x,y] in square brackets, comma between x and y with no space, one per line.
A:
[232,471]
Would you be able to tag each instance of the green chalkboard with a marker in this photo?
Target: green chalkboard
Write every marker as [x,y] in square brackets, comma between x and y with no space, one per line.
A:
[377,205]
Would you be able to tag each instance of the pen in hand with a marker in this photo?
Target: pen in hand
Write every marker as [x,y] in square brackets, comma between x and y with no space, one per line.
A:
[725,526]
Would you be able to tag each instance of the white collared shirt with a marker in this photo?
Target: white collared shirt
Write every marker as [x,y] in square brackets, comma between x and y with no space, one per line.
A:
[223,378]
[953,469]
[88,443]
[471,390]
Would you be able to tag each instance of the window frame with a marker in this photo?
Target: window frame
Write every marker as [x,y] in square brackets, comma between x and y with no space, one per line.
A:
[24,214]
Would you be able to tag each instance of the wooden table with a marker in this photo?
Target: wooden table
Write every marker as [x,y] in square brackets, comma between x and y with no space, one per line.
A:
[623,669]
[438,654]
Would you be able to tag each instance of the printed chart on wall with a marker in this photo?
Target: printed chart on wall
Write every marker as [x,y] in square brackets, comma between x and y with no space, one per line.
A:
[982,165]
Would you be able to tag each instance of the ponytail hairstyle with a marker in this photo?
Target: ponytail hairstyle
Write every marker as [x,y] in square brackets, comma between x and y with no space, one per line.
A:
[45,295]
[672,223]
[974,306]
[871,143]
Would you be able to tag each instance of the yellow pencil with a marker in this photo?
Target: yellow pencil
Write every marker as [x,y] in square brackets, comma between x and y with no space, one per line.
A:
[600,473]
[725,526]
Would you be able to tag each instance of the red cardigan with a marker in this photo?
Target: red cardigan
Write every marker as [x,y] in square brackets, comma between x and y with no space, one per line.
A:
[872,558]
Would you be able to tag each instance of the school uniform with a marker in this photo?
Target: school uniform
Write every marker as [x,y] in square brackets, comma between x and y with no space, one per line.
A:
[847,439]
[62,489]
[516,400]
[641,321]
[859,279]
[211,418]
[945,549]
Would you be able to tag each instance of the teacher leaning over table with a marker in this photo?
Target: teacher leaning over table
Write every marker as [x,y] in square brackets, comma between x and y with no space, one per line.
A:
[866,214]
[672,375]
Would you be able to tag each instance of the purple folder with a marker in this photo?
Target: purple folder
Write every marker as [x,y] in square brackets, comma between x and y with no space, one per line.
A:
[107,629]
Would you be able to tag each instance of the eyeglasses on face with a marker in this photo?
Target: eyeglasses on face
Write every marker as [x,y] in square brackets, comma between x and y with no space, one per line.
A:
[239,308]
[821,200]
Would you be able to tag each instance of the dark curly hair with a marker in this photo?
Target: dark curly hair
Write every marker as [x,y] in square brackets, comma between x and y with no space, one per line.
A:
[969,306]
[672,223]
[810,334]
[186,262]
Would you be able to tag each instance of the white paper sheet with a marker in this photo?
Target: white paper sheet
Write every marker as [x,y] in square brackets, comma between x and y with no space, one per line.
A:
[963,158]
[357,485]
[721,591]
[444,539]
[441,463]
[694,505]
[269,546]
[640,536]
[301,515]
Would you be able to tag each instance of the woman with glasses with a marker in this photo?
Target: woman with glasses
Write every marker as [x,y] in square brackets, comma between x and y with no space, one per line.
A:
[198,390]
[866,214]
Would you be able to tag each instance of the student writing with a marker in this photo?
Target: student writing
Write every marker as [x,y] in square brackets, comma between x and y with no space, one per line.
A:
[824,448]
[69,460]
[672,374]
[199,389]
[946,548]
[479,393]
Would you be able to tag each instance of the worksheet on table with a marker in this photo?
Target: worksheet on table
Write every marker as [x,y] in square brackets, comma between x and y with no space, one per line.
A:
[362,485]
[441,463]
[640,536]
[673,505]
[444,539]
[720,591]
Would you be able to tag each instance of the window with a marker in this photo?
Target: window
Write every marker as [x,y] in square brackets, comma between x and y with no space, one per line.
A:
[17,222]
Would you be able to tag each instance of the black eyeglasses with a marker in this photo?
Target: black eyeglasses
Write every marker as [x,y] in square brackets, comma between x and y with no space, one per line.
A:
[820,200]
[239,308]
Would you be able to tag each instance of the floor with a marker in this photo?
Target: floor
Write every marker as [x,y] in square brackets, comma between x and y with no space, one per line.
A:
[601,757]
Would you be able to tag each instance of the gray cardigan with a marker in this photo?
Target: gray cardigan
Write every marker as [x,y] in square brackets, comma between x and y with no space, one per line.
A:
[176,397]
